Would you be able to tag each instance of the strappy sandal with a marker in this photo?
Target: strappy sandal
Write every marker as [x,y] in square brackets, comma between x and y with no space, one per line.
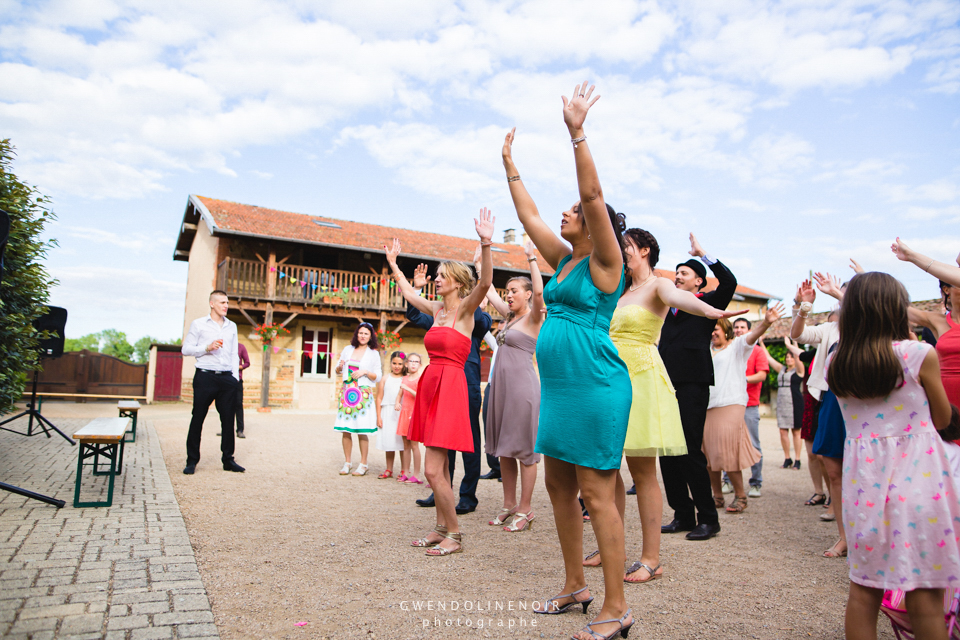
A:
[623,630]
[833,553]
[528,524]
[437,550]
[556,610]
[719,502]
[636,566]
[815,499]
[361,470]
[386,474]
[739,505]
[826,505]
[423,542]
[502,516]
[592,554]
[345,471]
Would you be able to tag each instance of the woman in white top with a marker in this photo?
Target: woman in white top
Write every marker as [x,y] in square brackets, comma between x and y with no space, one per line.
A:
[356,402]
[726,441]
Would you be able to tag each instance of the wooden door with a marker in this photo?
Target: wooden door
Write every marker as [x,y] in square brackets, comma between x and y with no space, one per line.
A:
[168,376]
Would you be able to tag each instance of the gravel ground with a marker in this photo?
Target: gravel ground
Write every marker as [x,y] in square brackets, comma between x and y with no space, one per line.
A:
[290,542]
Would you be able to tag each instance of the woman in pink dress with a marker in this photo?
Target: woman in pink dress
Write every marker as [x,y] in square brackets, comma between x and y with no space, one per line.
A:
[441,415]
[900,502]
[410,457]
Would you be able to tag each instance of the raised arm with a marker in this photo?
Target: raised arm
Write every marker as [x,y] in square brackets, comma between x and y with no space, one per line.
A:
[794,349]
[549,243]
[933,321]
[536,302]
[484,226]
[805,293]
[726,281]
[772,315]
[492,296]
[686,301]
[771,361]
[606,264]
[947,273]
[408,292]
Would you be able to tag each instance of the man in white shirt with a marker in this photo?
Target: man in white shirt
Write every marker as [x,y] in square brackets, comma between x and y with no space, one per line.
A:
[212,340]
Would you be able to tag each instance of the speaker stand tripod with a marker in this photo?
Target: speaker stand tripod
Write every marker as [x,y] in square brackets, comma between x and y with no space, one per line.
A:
[44,426]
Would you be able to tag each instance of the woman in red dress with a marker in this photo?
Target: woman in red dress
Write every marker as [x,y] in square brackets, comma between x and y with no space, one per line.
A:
[946,328]
[441,416]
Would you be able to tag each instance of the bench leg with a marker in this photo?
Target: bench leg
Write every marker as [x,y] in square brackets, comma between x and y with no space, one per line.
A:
[111,451]
[133,424]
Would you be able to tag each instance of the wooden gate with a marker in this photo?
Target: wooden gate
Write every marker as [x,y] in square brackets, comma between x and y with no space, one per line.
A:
[167,377]
[89,372]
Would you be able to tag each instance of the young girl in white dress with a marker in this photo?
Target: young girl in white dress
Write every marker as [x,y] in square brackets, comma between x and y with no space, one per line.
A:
[388,390]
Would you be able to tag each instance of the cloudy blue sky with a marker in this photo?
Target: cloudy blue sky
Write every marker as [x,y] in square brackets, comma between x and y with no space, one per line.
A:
[788,135]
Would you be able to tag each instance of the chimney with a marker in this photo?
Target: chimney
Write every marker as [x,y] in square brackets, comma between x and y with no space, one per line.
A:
[524,239]
[509,236]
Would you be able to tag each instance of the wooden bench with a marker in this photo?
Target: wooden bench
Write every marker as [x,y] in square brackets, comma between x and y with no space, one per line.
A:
[129,409]
[101,437]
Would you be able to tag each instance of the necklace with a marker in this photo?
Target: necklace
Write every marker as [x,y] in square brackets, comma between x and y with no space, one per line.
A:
[442,314]
[502,336]
[652,276]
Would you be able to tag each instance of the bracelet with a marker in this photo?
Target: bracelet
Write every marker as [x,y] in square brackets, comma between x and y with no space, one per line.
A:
[576,140]
[486,244]
[533,259]
[513,178]
[927,269]
[803,315]
[805,307]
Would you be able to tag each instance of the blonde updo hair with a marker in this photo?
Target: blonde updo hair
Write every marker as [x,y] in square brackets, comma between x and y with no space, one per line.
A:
[460,273]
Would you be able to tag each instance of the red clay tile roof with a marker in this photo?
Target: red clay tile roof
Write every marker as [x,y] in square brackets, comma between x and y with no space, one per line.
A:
[250,220]
[781,327]
[712,284]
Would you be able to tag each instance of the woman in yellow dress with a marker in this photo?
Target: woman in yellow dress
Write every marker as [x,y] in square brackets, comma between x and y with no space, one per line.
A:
[654,428]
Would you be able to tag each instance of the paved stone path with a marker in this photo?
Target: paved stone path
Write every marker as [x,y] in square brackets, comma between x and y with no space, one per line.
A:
[123,572]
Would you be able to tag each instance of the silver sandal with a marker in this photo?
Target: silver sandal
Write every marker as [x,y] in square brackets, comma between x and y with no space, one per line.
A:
[636,566]
[558,609]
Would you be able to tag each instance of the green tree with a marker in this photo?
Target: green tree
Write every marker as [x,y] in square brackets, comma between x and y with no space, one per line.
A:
[141,349]
[25,288]
[115,344]
[90,342]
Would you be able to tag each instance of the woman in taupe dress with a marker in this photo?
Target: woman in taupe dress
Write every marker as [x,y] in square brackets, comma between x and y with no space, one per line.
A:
[514,409]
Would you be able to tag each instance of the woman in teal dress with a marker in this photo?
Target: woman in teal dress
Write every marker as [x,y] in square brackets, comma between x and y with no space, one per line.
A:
[583,409]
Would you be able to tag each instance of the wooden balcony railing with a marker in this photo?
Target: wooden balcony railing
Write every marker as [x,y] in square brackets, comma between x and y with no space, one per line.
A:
[309,285]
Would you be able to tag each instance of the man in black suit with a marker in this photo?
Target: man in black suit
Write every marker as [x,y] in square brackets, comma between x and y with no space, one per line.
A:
[685,349]
[471,461]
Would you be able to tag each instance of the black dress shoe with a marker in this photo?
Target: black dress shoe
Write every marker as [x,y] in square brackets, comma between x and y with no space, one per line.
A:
[426,502]
[632,491]
[704,532]
[463,508]
[490,475]
[190,469]
[233,466]
[240,434]
[677,526]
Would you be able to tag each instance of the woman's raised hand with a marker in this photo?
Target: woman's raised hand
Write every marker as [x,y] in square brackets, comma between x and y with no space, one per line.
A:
[420,277]
[807,292]
[901,250]
[774,313]
[507,151]
[484,225]
[575,109]
[529,250]
[392,252]
[830,285]
[855,266]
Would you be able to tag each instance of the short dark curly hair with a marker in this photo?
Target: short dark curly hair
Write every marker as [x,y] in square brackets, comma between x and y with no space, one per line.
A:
[642,239]
[617,220]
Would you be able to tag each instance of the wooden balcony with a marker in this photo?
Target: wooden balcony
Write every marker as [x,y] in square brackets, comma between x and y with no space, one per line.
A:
[336,291]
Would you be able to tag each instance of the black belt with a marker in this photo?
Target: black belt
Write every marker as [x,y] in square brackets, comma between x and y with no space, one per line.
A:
[216,373]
